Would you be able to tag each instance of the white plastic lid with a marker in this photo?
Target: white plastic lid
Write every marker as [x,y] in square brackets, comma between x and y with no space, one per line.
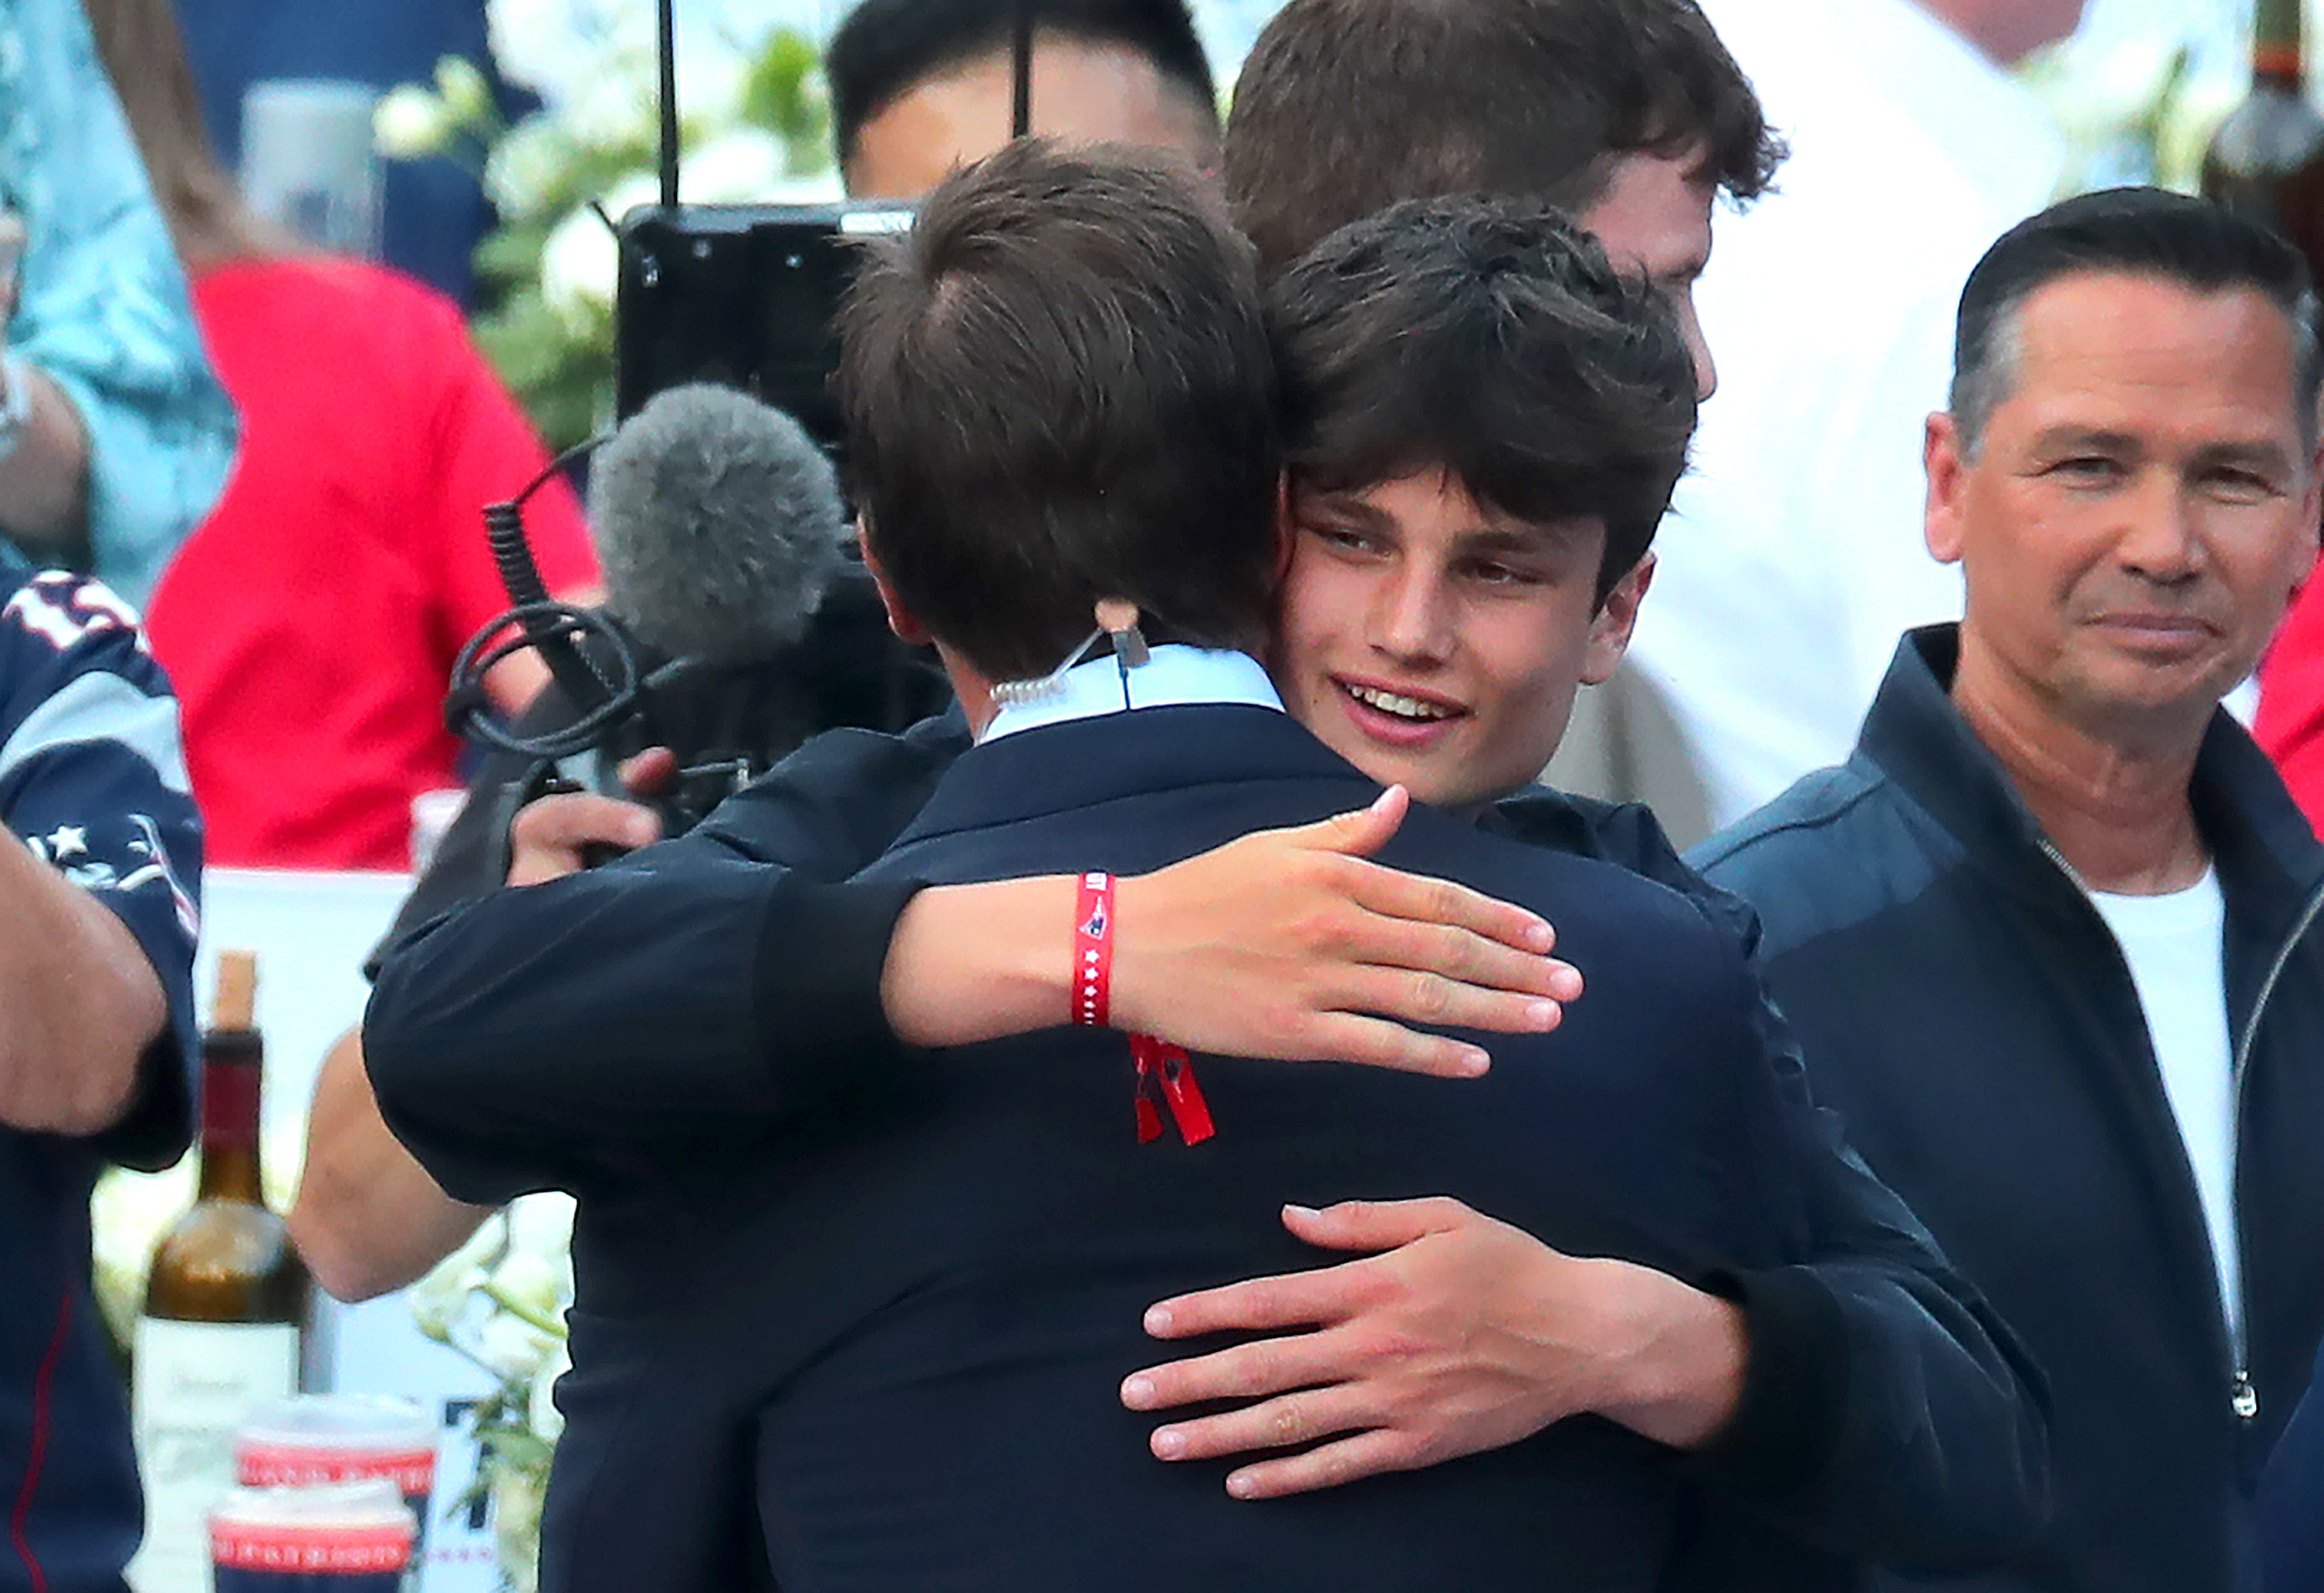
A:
[365,1503]
[338,1421]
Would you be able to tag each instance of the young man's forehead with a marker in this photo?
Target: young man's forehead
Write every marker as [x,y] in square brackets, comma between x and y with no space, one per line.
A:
[1448,501]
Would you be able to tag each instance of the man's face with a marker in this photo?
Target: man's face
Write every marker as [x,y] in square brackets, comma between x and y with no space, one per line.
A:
[2141,509]
[1081,94]
[1654,216]
[1431,643]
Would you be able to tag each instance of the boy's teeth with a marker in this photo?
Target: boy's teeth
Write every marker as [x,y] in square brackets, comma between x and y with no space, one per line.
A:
[1388,702]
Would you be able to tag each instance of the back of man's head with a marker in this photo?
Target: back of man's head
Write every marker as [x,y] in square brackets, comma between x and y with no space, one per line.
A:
[2147,232]
[886,50]
[1058,388]
[1346,106]
[1491,338]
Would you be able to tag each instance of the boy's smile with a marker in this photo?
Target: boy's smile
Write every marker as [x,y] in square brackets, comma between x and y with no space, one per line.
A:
[1433,641]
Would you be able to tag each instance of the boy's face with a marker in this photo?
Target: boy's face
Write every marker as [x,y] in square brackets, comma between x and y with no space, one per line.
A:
[1433,642]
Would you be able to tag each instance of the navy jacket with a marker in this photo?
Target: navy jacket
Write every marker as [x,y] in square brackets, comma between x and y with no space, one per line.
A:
[910,1315]
[1968,1014]
[2292,1498]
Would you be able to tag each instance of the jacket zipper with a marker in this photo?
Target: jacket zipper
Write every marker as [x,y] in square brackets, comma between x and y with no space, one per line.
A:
[2242,1394]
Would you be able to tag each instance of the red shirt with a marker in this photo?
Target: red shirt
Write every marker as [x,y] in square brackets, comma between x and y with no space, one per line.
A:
[2290,723]
[310,624]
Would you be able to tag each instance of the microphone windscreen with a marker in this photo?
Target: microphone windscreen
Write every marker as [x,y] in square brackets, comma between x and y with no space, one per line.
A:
[718,523]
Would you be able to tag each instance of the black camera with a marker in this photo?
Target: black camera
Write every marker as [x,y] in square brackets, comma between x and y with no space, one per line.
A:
[746,295]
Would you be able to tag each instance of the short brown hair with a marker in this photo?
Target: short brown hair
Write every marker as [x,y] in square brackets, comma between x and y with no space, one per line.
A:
[1489,339]
[1058,388]
[1347,105]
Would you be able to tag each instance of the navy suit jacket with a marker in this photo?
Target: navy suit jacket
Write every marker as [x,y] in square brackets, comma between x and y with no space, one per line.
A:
[879,1350]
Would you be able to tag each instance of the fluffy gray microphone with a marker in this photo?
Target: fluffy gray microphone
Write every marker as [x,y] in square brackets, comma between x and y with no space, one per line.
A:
[718,523]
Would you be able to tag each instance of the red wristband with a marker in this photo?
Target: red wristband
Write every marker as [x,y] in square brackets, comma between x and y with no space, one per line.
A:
[1094,950]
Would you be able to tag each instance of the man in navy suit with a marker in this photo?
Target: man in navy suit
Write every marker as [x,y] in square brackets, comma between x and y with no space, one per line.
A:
[876,1347]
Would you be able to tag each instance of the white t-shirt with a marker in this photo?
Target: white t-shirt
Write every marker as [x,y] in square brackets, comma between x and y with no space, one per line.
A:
[2174,946]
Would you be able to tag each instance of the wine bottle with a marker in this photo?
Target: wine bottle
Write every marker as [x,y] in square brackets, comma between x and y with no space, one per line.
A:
[2266,161]
[224,1303]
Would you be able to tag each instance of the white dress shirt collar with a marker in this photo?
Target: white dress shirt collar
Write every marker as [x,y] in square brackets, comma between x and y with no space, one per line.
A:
[1173,674]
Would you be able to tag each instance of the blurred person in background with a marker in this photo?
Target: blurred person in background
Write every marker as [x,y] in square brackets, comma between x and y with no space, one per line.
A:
[920,87]
[311,622]
[433,211]
[2290,721]
[1788,565]
[100,856]
[115,438]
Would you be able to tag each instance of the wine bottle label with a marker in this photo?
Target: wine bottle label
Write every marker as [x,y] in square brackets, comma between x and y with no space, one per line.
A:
[192,1384]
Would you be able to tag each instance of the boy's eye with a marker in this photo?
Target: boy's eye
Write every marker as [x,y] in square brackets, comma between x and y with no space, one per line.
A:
[1342,539]
[1496,573]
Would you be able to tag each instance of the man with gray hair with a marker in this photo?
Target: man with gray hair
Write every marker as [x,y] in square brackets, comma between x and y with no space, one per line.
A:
[2107,1103]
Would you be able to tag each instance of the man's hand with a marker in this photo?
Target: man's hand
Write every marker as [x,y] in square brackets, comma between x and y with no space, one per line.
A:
[1464,1334]
[1289,944]
[551,835]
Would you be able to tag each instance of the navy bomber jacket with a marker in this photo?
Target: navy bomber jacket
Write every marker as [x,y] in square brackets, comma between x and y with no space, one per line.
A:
[1965,1010]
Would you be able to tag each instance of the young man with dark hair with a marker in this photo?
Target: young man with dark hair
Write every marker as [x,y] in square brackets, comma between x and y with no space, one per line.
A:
[1629,115]
[1418,446]
[2109,1110]
[918,87]
[772,1341]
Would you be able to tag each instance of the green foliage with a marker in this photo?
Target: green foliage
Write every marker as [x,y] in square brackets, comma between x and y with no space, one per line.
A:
[546,273]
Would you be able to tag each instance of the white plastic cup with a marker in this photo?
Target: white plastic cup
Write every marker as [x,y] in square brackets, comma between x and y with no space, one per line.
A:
[316,1439]
[309,162]
[345,1537]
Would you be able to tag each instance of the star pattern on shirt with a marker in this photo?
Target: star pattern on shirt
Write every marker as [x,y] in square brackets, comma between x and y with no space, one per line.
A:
[68,841]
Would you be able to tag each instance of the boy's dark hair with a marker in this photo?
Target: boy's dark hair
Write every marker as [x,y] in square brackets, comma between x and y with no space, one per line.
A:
[1346,106]
[1058,388]
[1489,338]
[2132,232]
[885,48]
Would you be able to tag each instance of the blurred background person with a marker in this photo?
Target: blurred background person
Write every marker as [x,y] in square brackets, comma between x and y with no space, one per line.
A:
[1788,565]
[920,87]
[115,438]
[311,622]
[433,211]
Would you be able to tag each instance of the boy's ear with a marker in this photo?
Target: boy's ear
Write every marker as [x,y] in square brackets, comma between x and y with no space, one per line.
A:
[1617,617]
[899,619]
